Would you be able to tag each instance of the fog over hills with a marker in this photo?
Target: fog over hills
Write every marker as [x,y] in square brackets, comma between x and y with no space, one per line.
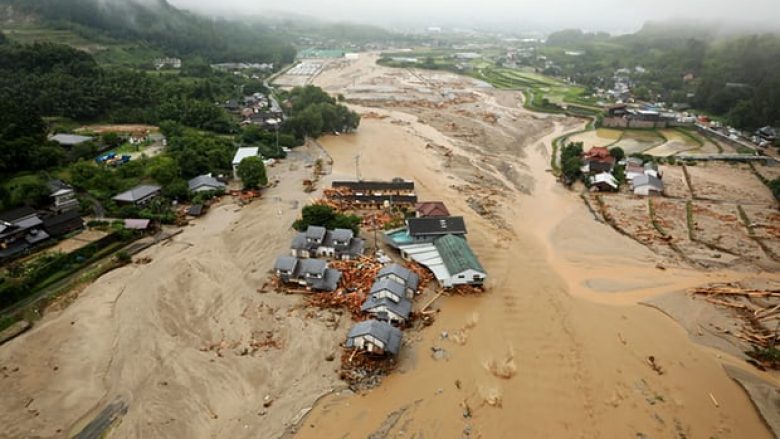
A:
[609,15]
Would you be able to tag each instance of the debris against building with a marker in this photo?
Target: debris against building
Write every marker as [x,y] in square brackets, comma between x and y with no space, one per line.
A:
[373,194]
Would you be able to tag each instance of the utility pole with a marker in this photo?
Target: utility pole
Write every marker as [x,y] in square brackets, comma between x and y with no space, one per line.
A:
[357,166]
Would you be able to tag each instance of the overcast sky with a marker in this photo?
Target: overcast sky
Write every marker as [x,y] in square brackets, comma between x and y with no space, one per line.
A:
[610,15]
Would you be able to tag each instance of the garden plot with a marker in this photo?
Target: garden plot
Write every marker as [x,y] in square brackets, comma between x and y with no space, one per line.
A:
[636,141]
[768,172]
[729,182]
[674,182]
[676,143]
[599,137]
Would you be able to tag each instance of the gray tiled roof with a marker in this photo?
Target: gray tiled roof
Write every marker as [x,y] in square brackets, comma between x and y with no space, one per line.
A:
[205,180]
[286,263]
[316,232]
[312,266]
[402,308]
[645,180]
[137,193]
[411,278]
[342,234]
[329,282]
[389,285]
[383,331]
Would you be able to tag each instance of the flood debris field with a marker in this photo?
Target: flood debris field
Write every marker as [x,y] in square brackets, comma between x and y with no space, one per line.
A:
[712,216]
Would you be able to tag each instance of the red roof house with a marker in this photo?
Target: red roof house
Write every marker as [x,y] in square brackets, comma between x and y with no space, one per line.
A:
[431,208]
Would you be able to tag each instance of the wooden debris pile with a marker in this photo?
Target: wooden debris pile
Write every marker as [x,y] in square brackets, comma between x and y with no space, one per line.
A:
[364,371]
[467,290]
[357,277]
[759,310]
[378,221]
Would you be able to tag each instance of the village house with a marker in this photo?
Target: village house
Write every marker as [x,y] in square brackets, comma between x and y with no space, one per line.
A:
[374,194]
[449,258]
[205,183]
[311,273]
[604,182]
[430,228]
[402,275]
[63,196]
[174,63]
[241,154]
[375,337]
[391,289]
[597,160]
[647,185]
[139,195]
[20,229]
[138,138]
[63,223]
[431,209]
[317,241]
[387,310]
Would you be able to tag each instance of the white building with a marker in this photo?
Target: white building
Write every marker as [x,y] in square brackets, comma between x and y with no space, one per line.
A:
[241,154]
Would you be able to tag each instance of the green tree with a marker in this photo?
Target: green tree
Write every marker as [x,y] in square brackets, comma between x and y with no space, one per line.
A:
[112,139]
[165,170]
[252,173]
[618,153]
[177,190]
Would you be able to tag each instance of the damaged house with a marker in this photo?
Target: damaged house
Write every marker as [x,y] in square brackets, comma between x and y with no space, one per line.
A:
[318,241]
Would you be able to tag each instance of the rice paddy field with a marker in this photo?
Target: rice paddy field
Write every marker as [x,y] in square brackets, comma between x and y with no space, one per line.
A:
[676,142]
[599,137]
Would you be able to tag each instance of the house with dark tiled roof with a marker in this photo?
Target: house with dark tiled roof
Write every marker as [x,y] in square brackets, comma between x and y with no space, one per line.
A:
[317,241]
[375,337]
[311,273]
[400,275]
[388,310]
[205,183]
[20,230]
[138,195]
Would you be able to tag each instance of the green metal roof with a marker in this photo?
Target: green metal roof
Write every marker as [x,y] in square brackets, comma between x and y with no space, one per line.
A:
[457,255]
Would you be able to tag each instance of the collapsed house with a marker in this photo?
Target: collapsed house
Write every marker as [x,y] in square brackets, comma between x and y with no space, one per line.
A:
[373,194]
[310,273]
[318,241]
[375,337]
[431,209]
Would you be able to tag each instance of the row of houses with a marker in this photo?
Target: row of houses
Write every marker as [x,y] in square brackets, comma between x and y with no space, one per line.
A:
[389,306]
[256,109]
[25,228]
[365,195]
[144,193]
[644,178]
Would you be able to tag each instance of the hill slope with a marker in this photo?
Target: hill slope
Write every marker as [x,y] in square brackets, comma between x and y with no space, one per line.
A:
[153,22]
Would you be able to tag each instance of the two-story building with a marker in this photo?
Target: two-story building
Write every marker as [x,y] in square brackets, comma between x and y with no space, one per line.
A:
[318,241]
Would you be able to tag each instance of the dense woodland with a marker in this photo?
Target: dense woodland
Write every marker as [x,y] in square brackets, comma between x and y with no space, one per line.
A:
[156,22]
[734,76]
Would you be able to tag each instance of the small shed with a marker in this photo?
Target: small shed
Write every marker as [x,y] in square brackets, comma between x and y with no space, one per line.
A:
[647,185]
[137,224]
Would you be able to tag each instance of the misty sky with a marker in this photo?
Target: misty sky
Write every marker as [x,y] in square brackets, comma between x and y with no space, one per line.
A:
[609,15]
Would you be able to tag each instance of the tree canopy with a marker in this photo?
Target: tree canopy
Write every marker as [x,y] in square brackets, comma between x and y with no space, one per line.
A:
[251,171]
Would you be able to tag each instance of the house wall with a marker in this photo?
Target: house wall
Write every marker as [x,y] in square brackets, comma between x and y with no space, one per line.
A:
[645,191]
[465,278]
[393,317]
[387,294]
[369,344]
